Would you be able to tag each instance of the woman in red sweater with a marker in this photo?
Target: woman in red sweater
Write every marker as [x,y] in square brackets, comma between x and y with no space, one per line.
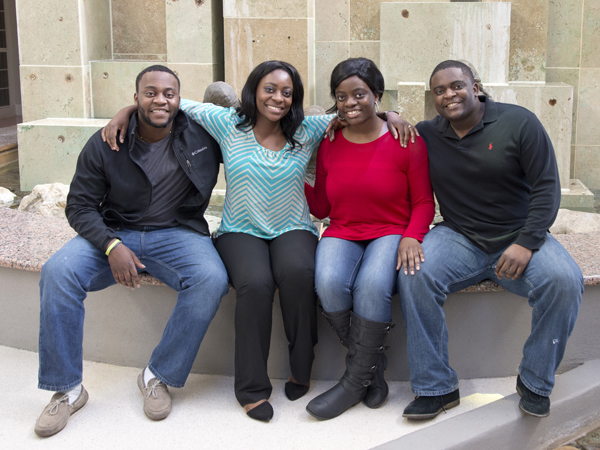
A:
[379,200]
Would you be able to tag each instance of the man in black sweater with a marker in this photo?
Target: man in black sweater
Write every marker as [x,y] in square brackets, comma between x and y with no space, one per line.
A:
[137,210]
[494,173]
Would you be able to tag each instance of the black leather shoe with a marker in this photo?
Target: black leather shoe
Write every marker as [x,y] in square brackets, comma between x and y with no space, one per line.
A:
[422,408]
[532,403]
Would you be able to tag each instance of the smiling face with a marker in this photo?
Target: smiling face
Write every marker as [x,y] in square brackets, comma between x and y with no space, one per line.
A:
[157,99]
[274,95]
[355,100]
[455,95]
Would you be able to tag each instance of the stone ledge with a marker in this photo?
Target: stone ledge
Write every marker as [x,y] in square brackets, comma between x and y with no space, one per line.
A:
[28,240]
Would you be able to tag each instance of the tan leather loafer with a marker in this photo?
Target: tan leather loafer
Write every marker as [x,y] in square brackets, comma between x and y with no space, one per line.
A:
[157,400]
[56,415]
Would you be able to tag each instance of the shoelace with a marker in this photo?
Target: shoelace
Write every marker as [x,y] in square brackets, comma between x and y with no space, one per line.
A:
[56,403]
[152,389]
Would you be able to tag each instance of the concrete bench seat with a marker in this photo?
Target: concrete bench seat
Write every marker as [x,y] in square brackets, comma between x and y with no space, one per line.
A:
[487,325]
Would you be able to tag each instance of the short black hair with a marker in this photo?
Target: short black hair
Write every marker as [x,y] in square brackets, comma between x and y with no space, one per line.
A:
[452,64]
[248,111]
[155,68]
[363,68]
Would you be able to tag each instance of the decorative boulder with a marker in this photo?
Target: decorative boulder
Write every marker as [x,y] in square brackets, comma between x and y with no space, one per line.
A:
[213,223]
[572,222]
[6,198]
[46,200]
[221,94]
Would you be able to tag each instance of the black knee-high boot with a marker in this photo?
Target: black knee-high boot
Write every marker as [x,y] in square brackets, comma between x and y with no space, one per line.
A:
[340,323]
[366,341]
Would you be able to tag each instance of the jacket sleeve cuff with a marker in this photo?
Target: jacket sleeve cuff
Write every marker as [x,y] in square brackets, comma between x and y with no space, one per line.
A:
[530,242]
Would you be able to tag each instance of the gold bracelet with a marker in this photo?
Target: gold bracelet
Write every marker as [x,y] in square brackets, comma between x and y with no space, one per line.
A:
[113,245]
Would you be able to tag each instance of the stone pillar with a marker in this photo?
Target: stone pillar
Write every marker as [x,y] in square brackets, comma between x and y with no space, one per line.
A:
[57,39]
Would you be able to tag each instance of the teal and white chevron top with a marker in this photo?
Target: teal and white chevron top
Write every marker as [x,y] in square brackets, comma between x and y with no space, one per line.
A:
[265,189]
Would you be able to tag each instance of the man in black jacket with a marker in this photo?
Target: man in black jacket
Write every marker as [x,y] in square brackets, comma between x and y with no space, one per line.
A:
[494,173]
[137,210]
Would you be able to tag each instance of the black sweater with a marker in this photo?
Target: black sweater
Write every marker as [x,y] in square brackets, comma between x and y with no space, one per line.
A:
[499,184]
[110,189]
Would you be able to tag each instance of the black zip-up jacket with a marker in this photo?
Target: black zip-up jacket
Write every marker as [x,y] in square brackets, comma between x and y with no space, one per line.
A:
[110,189]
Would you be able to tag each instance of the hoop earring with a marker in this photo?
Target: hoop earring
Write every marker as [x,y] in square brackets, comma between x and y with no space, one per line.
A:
[377,107]
[337,113]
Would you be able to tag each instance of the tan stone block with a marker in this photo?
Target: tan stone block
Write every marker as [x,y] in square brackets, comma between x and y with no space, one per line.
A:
[248,42]
[364,49]
[48,149]
[332,20]
[49,32]
[327,56]
[113,85]
[477,32]
[552,103]
[194,78]
[190,31]
[96,36]
[365,18]
[160,58]
[139,27]
[587,168]
[564,33]
[571,77]
[590,35]
[528,39]
[411,101]
[274,8]
[588,113]
[61,91]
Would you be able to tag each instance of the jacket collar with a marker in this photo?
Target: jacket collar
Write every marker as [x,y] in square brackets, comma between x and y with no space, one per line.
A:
[180,123]
[490,114]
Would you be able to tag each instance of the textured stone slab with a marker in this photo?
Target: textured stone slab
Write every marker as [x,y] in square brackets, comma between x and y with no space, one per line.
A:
[432,32]
[48,149]
[327,56]
[411,101]
[590,35]
[271,9]
[552,103]
[139,27]
[528,39]
[587,168]
[564,33]
[54,91]
[194,31]
[332,21]
[571,77]
[577,198]
[249,42]
[588,114]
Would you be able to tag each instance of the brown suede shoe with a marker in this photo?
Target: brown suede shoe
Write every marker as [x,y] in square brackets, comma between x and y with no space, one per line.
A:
[157,400]
[56,415]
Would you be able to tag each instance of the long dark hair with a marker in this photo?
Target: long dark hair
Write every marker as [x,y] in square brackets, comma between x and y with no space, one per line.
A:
[248,111]
[363,68]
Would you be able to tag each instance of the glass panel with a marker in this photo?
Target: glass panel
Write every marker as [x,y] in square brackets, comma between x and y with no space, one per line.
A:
[3,61]
[2,5]
[2,27]
[4,99]
[3,79]
[2,39]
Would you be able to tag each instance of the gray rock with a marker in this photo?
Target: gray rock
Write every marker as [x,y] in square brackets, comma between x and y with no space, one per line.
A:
[573,222]
[213,223]
[221,94]
[46,200]
[6,198]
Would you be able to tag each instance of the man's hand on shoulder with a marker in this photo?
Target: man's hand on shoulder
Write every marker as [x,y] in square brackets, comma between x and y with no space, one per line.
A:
[513,262]
[123,264]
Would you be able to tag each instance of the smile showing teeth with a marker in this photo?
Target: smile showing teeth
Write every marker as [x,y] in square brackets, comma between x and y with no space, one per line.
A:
[274,108]
[352,113]
[450,105]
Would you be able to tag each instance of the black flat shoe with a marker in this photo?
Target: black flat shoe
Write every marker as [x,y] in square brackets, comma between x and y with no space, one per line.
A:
[294,391]
[262,412]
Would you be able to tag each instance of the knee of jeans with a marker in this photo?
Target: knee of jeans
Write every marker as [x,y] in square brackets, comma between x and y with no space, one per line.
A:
[55,270]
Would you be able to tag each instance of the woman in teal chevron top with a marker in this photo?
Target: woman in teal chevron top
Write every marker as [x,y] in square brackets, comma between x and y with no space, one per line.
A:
[266,239]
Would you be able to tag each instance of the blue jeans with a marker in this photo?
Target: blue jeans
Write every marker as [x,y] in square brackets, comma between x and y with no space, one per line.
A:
[552,282]
[358,274]
[180,257]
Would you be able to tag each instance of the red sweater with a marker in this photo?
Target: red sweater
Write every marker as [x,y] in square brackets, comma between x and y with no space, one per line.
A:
[372,190]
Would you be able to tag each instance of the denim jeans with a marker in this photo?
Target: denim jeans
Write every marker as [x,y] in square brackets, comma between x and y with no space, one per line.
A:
[180,257]
[358,274]
[552,282]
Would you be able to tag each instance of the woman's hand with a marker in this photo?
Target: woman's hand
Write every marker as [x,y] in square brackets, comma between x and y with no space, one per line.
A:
[405,129]
[334,125]
[117,125]
[410,255]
